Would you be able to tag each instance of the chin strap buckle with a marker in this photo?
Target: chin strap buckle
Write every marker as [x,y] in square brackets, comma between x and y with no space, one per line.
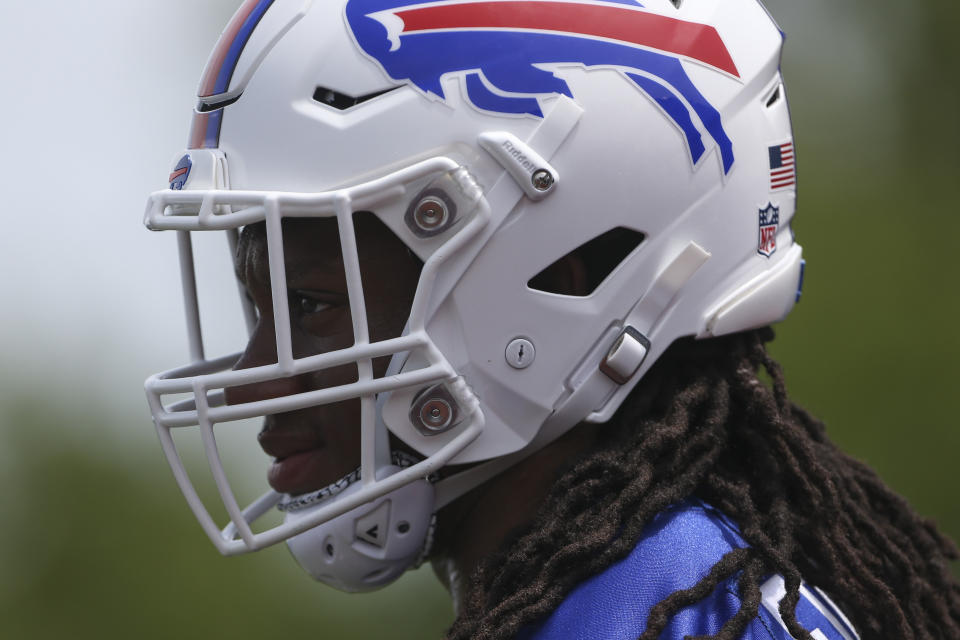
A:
[625,356]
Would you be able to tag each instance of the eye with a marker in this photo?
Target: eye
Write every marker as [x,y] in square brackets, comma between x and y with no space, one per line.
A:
[307,302]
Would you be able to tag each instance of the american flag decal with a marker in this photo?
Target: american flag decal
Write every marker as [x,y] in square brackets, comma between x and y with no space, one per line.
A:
[783,169]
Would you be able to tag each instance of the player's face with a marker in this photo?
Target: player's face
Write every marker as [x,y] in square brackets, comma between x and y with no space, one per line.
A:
[316,446]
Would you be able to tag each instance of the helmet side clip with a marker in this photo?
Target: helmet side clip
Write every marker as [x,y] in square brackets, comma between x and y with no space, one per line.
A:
[533,174]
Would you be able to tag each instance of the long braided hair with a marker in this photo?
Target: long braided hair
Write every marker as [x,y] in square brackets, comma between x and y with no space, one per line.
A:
[703,423]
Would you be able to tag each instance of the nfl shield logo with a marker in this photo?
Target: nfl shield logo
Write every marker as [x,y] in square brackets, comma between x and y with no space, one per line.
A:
[769,224]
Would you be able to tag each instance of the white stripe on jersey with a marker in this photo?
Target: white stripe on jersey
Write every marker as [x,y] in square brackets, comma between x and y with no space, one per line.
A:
[775,588]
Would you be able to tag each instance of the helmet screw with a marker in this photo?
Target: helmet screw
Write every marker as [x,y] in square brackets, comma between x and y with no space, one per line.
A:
[520,353]
[434,411]
[431,214]
[542,180]
[436,414]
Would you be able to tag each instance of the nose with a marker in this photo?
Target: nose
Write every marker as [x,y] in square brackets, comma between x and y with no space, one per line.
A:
[262,350]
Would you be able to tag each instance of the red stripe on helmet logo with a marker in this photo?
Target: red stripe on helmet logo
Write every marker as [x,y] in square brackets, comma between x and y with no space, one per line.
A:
[689,39]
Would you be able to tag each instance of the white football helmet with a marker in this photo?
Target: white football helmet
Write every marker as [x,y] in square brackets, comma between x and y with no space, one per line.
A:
[493,138]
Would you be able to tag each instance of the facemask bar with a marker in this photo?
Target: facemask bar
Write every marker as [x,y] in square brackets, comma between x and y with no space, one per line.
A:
[186,211]
[188,284]
[249,311]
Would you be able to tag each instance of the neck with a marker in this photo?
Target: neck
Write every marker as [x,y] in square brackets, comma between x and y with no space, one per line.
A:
[479,524]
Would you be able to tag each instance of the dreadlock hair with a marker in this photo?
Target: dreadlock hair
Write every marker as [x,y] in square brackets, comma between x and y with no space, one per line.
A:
[703,424]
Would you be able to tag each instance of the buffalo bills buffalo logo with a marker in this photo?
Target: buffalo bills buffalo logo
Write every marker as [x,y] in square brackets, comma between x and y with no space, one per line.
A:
[497,44]
[181,173]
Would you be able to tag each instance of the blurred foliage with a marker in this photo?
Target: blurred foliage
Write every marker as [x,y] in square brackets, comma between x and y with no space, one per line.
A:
[924,69]
[872,347]
[100,544]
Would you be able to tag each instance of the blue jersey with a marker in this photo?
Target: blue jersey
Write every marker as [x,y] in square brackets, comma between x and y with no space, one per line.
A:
[676,550]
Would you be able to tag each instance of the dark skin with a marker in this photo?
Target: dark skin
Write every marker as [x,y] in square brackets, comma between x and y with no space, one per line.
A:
[478,524]
[316,446]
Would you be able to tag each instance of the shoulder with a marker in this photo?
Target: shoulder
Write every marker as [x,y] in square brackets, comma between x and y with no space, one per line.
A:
[676,550]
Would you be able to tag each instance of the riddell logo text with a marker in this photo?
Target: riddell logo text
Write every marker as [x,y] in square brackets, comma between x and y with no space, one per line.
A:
[519,156]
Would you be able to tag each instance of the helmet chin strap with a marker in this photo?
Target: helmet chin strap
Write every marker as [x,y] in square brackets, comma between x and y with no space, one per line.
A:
[372,545]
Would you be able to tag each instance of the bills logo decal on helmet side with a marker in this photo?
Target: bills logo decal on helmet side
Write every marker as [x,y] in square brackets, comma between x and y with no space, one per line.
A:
[497,45]
[769,225]
[181,173]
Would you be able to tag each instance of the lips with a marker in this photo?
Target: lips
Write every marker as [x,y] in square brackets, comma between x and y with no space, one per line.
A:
[299,452]
[283,441]
[299,473]
[310,452]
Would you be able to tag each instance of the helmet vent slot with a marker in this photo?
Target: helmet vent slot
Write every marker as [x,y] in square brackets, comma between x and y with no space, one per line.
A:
[342,101]
[215,104]
[580,272]
[774,97]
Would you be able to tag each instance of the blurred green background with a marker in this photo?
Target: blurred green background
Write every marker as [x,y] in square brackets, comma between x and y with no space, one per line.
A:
[96,540]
